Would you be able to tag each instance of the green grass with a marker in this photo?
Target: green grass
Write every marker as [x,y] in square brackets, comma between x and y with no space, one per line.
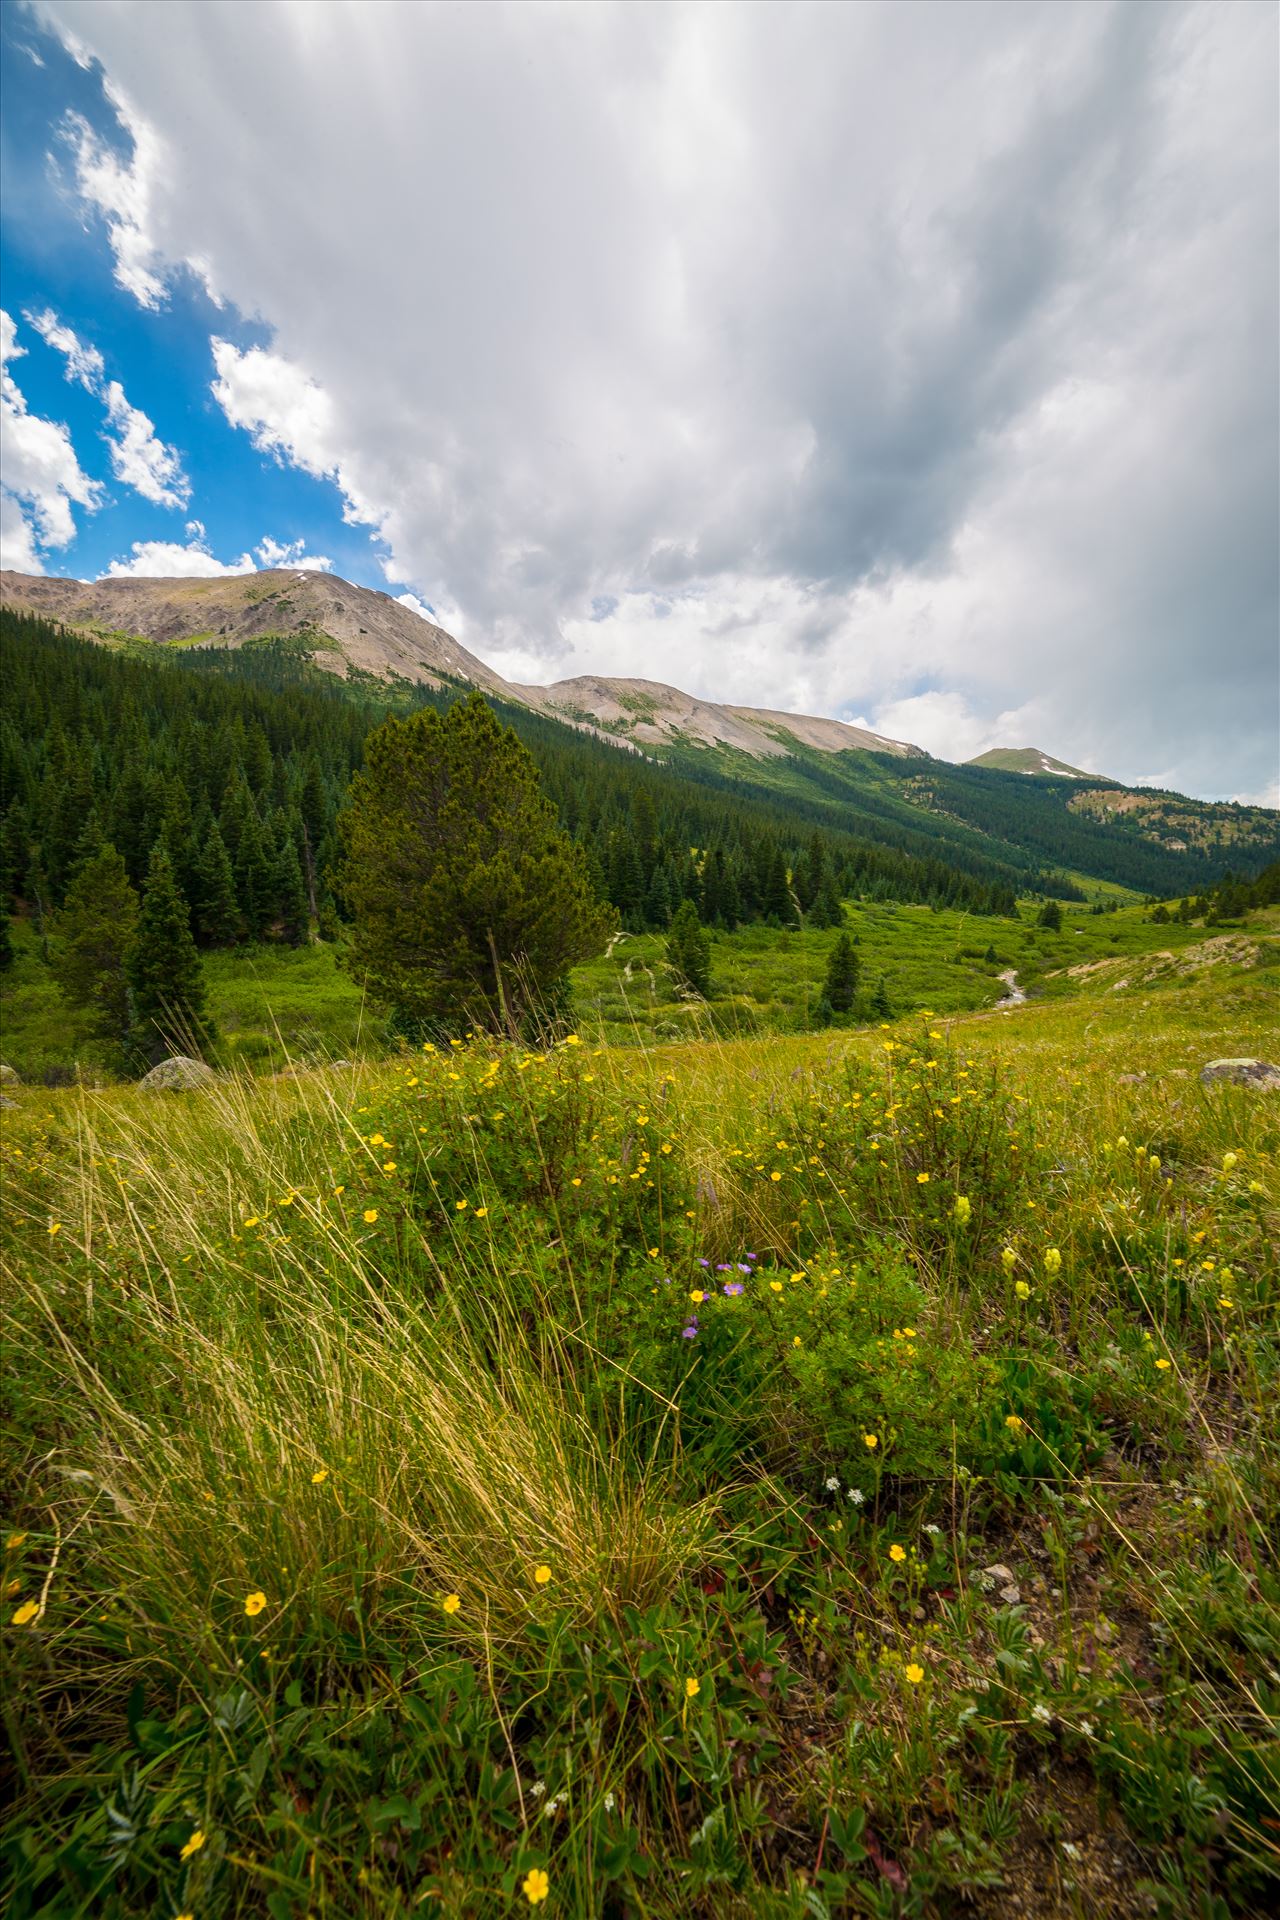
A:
[398,1510]
[274,1006]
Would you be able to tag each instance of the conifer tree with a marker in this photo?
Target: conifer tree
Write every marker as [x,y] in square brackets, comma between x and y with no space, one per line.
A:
[291,894]
[880,1005]
[215,909]
[164,967]
[254,876]
[469,900]
[97,928]
[689,950]
[841,983]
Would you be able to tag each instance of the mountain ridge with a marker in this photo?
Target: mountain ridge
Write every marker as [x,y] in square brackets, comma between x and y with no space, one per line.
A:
[374,633]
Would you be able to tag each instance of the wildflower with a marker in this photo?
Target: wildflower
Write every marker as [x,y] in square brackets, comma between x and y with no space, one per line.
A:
[193,1845]
[697,1296]
[914,1673]
[1052,1260]
[254,1603]
[857,1496]
[832,1483]
[25,1613]
[535,1886]
[318,1478]
[388,1166]
[871,1441]
[13,1542]
[538,1788]
[610,1802]
[1008,1259]
[481,1213]
[542,1574]
[733,1288]
[451,1602]
[775,1286]
[934,1530]
[1086,1728]
[896,1552]
[1014,1424]
[55,1226]
[1228,1162]
[692,1687]
[962,1209]
[922,1179]
[1164,1364]
[1042,1713]
[370,1215]
[459,1206]
[1022,1290]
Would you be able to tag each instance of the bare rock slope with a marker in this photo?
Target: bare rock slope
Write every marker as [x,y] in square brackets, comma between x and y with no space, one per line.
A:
[361,629]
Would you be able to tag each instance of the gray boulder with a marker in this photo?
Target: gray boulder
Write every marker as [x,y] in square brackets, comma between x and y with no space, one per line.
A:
[9,1076]
[1259,1074]
[178,1075]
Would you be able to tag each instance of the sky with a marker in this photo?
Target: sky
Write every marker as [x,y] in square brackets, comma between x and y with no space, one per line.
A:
[915,365]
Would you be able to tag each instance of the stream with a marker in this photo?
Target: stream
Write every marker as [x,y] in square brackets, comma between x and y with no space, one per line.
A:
[1014,996]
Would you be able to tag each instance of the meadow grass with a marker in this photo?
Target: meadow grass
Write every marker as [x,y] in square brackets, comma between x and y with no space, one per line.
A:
[818,1474]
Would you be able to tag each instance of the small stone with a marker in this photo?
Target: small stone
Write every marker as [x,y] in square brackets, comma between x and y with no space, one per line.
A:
[1011,1596]
[999,1576]
[1131,1079]
[1244,1072]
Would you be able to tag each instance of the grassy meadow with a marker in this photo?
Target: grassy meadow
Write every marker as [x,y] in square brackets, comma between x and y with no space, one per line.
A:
[731,1475]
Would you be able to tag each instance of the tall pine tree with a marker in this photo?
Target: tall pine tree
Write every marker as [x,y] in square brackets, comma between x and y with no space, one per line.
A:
[164,968]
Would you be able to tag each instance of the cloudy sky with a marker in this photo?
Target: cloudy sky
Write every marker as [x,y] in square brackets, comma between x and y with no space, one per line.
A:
[915,364]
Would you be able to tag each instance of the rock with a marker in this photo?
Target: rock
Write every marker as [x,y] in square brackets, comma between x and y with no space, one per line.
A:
[1011,1596]
[337,1066]
[1259,1074]
[6,1102]
[1131,1079]
[9,1077]
[178,1075]
[999,1576]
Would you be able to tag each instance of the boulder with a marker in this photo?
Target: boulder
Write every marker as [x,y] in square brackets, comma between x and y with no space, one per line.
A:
[9,1076]
[1259,1074]
[178,1075]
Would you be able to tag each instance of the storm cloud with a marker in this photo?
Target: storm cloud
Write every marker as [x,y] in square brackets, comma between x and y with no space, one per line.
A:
[913,364]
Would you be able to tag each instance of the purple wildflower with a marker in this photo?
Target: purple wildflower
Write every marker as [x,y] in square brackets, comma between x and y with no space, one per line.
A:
[733,1287]
[691,1331]
[704,1263]
[742,1268]
[724,1266]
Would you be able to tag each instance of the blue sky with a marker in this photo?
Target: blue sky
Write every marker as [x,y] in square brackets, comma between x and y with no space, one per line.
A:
[913,365]
[55,257]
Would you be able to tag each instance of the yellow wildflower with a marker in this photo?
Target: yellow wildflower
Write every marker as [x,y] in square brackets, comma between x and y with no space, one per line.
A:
[370,1215]
[535,1886]
[26,1613]
[193,1845]
[692,1687]
[896,1552]
[254,1603]
[542,1574]
[451,1602]
[319,1477]
[871,1441]
[914,1673]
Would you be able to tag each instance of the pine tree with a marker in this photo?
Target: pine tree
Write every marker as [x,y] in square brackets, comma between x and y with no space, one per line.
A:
[689,950]
[215,909]
[776,904]
[164,967]
[469,900]
[1050,916]
[841,983]
[880,1006]
[97,927]
[254,876]
[291,895]
[827,910]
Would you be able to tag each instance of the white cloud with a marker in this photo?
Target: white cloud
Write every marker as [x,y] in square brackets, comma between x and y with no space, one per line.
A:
[277,553]
[138,458]
[42,477]
[167,560]
[84,364]
[861,356]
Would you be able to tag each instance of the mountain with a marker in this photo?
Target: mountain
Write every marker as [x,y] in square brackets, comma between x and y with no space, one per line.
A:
[1012,815]
[357,629]
[1027,760]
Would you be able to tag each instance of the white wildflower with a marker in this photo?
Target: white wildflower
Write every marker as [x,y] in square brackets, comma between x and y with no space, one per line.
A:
[832,1483]
[857,1496]
[1042,1713]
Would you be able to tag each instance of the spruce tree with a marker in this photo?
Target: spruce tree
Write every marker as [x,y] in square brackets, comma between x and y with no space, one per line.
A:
[215,908]
[689,950]
[164,967]
[469,900]
[291,895]
[841,983]
[97,927]
[1050,916]
[880,1005]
